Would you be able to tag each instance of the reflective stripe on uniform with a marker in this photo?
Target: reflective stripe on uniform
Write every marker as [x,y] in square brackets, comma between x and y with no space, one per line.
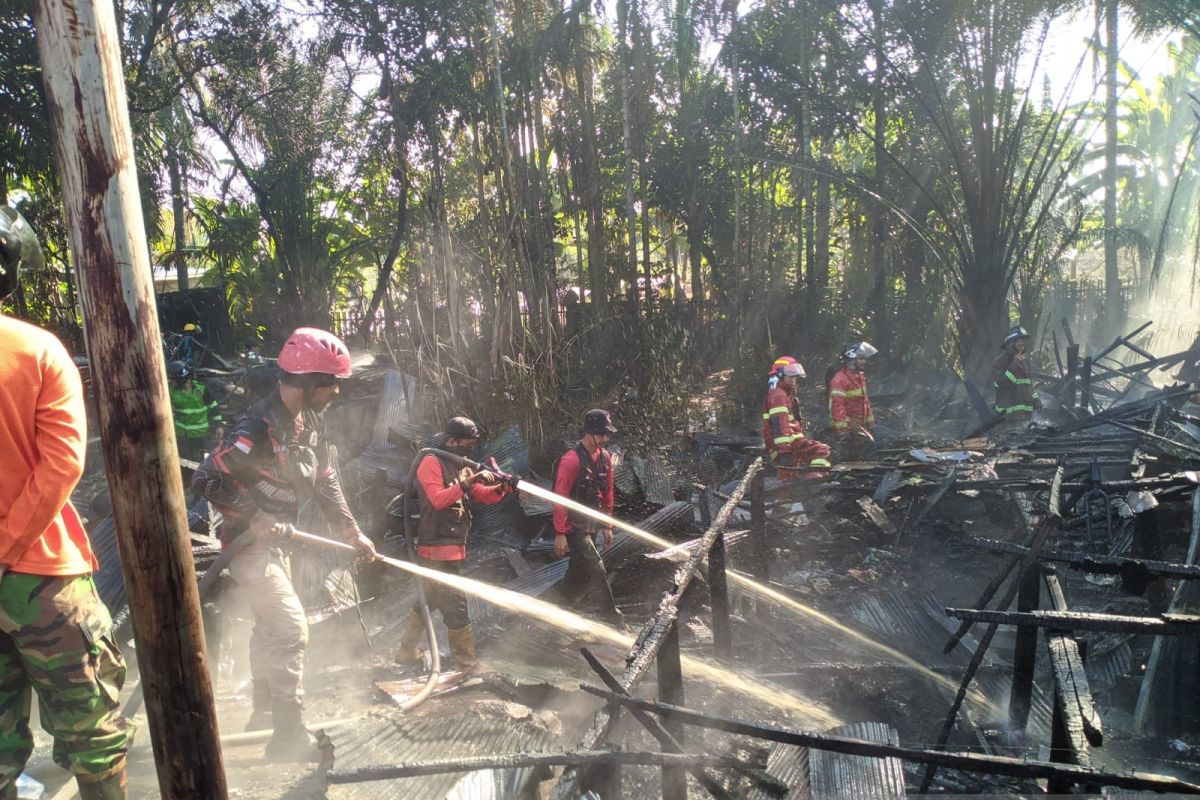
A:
[1014,409]
[784,439]
[1019,381]
[848,392]
[841,424]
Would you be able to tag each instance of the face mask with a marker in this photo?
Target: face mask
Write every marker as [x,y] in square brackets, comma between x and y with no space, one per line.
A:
[461,449]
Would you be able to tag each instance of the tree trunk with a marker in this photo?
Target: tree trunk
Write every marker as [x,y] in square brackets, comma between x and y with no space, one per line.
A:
[879,292]
[1112,277]
[175,176]
[591,190]
[627,142]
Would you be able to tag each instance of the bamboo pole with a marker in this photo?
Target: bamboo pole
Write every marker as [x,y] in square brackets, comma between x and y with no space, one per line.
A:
[93,148]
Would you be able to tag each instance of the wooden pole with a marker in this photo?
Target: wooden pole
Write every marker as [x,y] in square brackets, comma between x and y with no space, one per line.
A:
[1024,654]
[670,690]
[1072,372]
[718,583]
[93,148]
[655,630]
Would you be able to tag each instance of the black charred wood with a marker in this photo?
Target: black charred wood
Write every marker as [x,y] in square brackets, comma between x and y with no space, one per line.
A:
[967,762]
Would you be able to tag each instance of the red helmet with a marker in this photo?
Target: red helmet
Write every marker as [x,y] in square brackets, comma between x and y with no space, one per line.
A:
[778,364]
[310,350]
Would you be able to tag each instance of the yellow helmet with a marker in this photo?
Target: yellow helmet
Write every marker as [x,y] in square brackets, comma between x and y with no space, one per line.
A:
[191,327]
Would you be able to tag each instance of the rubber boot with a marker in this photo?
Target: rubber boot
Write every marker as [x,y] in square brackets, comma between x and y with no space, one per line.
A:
[260,718]
[291,741]
[110,788]
[409,653]
[462,648]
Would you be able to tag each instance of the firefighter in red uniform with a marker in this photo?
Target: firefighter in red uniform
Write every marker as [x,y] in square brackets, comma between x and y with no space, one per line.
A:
[443,489]
[849,406]
[783,424]
[585,474]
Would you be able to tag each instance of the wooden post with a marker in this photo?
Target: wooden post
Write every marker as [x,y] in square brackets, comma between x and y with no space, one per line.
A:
[670,691]
[758,530]
[1085,390]
[718,584]
[1072,372]
[1024,652]
[93,148]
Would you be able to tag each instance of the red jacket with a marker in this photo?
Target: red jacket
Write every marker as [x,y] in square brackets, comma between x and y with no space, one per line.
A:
[848,401]
[564,482]
[782,424]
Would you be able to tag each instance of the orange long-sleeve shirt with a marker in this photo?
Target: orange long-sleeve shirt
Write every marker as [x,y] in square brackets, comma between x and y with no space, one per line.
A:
[42,443]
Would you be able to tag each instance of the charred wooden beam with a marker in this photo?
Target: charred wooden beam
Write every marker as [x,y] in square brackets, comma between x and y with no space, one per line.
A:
[1089,562]
[943,487]
[1123,411]
[654,632]
[1142,709]
[1036,541]
[718,585]
[1070,678]
[1024,654]
[667,739]
[1166,625]
[578,758]
[966,762]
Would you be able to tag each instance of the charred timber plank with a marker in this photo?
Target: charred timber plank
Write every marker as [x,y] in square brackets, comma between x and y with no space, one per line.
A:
[967,762]
[935,498]
[1083,621]
[1037,541]
[1071,689]
[654,632]
[1024,655]
[1088,562]
[876,515]
[656,729]
[718,585]
[1122,411]
[578,758]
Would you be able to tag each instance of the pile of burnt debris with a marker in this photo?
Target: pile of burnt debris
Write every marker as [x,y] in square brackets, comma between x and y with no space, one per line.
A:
[978,608]
[1033,583]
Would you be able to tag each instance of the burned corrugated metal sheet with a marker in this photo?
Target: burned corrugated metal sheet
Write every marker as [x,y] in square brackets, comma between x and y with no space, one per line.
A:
[392,738]
[836,776]
[789,764]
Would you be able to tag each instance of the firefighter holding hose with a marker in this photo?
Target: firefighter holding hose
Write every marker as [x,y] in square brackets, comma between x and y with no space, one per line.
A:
[443,488]
[275,460]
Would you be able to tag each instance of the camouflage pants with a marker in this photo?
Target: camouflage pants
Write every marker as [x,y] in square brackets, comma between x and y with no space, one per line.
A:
[280,631]
[56,639]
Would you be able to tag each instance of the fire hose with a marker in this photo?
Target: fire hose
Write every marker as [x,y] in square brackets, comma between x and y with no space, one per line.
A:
[410,539]
[287,531]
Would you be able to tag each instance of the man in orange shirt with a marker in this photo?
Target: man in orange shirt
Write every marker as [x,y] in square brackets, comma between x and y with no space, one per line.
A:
[443,489]
[55,633]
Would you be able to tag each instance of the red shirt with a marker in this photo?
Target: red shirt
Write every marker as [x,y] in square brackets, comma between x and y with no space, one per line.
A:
[43,438]
[441,497]
[568,471]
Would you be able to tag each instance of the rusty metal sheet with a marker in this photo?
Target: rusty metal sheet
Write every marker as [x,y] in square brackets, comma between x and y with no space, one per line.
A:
[836,776]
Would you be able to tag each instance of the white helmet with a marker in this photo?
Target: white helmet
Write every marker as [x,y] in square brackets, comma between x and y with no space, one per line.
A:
[794,370]
[863,349]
